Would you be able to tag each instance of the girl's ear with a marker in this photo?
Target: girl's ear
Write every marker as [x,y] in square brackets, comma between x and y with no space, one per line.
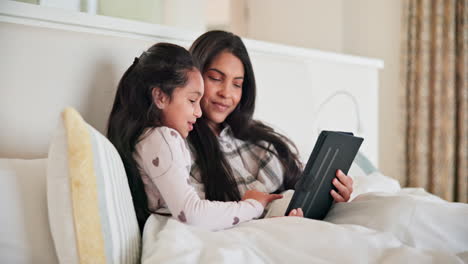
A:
[160,99]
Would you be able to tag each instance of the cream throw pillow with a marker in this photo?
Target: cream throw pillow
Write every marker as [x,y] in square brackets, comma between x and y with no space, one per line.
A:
[91,214]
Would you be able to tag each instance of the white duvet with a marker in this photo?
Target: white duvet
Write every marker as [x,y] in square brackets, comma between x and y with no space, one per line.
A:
[382,224]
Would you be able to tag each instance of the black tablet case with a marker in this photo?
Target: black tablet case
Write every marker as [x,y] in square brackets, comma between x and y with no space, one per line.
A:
[333,150]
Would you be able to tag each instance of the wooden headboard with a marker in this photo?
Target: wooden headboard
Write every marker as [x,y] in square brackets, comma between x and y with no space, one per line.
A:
[53,59]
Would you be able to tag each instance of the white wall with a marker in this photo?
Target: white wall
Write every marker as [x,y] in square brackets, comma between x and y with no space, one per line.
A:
[80,65]
[185,14]
[360,27]
[306,23]
[368,28]
[142,10]
[372,28]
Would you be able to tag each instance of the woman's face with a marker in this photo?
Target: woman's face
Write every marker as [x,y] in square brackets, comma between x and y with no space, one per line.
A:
[223,80]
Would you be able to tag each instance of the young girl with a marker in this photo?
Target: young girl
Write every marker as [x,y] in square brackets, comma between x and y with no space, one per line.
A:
[233,152]
[156,105]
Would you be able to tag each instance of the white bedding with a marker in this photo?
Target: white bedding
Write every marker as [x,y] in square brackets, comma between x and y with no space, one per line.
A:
[392,225]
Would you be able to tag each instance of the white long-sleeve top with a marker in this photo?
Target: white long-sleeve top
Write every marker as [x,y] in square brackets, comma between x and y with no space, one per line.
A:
[164,162]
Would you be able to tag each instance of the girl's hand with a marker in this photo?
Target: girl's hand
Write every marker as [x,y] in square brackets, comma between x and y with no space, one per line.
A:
[344,185]
[296,212]
[263,198]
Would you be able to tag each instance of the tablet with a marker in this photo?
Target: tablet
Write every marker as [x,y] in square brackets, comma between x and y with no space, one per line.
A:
[333,150]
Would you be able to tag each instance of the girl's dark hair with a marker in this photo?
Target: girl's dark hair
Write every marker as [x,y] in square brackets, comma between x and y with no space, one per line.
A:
[216,172]
[164,66]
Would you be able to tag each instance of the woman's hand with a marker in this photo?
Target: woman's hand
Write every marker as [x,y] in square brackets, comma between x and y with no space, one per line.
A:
[263,198]
[344,185]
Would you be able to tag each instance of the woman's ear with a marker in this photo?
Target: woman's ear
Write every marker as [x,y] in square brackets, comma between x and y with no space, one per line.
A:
[160,99]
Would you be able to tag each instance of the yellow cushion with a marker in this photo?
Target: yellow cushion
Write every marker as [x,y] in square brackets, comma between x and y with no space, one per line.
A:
[91,212]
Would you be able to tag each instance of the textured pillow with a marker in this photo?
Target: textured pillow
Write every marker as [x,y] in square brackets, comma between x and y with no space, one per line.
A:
[24,226]
[91,214]
[364,164]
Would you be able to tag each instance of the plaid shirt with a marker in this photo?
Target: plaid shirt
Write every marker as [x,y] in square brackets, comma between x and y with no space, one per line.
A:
[254,168]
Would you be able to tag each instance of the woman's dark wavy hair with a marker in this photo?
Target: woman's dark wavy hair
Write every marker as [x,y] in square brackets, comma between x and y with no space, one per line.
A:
[164,66]
[216,172]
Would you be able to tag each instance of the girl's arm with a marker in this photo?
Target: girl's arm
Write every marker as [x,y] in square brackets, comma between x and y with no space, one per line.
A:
[163,156]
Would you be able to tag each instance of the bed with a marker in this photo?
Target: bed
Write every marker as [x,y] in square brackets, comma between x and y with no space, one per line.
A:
[77,60]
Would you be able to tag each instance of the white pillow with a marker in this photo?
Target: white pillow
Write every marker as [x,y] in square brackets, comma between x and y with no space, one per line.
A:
[91,213]
[24,226]
[367,178]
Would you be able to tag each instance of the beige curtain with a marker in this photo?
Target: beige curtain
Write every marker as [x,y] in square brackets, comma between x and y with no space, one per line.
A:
[435,88]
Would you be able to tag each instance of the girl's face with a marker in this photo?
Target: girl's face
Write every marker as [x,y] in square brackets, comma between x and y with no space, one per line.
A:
[223,80]
[182,110]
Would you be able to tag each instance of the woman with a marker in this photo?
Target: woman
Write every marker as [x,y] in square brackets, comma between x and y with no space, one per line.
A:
[232,152]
